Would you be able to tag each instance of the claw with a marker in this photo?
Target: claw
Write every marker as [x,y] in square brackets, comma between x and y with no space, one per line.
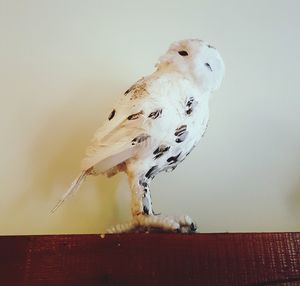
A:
[155,223]
[193,227]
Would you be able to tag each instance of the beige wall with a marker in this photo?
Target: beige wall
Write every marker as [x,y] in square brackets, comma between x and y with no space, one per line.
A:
[64,63]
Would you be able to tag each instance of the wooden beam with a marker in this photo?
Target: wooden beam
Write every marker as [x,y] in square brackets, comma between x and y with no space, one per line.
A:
[151,259]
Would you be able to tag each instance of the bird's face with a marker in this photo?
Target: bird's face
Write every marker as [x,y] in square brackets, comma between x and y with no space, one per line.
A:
[196,58]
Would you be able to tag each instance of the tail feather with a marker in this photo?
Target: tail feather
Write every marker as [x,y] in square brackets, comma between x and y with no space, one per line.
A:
[73,188]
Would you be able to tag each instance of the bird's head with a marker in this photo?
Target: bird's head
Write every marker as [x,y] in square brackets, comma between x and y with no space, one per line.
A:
[195,58]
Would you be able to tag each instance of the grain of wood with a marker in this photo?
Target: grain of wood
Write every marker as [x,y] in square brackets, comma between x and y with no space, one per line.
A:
[151,259]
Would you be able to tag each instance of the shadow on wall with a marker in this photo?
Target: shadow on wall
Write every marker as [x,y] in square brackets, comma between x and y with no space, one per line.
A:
[294,203]
[56,155]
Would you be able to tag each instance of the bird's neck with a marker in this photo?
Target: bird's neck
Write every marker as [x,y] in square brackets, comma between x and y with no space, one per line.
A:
[170,73]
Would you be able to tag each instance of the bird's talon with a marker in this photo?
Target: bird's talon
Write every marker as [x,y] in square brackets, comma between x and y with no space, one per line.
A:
[193,227]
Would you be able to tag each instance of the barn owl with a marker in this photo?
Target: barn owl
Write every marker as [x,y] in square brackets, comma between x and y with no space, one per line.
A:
[153,127]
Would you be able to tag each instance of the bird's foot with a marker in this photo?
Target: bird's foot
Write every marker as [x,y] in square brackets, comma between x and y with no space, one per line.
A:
[156,223]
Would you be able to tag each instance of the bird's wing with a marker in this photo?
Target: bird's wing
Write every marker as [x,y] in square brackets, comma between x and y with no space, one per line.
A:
[118,139]
[133,121]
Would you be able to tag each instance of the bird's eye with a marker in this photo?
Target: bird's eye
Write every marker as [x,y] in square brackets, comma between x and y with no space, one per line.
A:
[183,53]
[208,65]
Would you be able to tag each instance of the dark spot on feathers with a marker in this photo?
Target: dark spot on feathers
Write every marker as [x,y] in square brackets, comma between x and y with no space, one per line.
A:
[152,172]
[144,184]
[160,150]
[181,138]
[211,47]
[189,111]
[191,103]
[135,115]
[155,114]
[145,210]
[208,65]
[181,133]
[127,91]
[173,159]
[183,53]
[139,139]
[180,130]
[145,188]
[112,114]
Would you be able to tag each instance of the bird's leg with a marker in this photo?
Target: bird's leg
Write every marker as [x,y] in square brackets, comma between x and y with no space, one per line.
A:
[142,212]
[141,198]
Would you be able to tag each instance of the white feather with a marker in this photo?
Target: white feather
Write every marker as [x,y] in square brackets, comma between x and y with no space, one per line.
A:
[176,79]
[73,188]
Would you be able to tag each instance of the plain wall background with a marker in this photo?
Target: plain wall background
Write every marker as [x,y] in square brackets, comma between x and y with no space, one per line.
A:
[64,63]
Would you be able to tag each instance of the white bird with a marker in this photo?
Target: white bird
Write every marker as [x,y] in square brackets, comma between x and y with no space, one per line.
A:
[154,126]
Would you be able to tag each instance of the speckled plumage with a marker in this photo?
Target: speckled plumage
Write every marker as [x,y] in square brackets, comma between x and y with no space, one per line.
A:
[155,125]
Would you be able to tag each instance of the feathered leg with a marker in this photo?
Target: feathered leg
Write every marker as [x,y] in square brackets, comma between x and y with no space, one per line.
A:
[142,212]
[140,196]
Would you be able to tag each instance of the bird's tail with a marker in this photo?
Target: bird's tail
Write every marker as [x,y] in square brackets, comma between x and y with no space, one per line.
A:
[73,188]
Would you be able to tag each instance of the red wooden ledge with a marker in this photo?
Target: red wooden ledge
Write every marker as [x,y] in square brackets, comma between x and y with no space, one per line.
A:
[151,259]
